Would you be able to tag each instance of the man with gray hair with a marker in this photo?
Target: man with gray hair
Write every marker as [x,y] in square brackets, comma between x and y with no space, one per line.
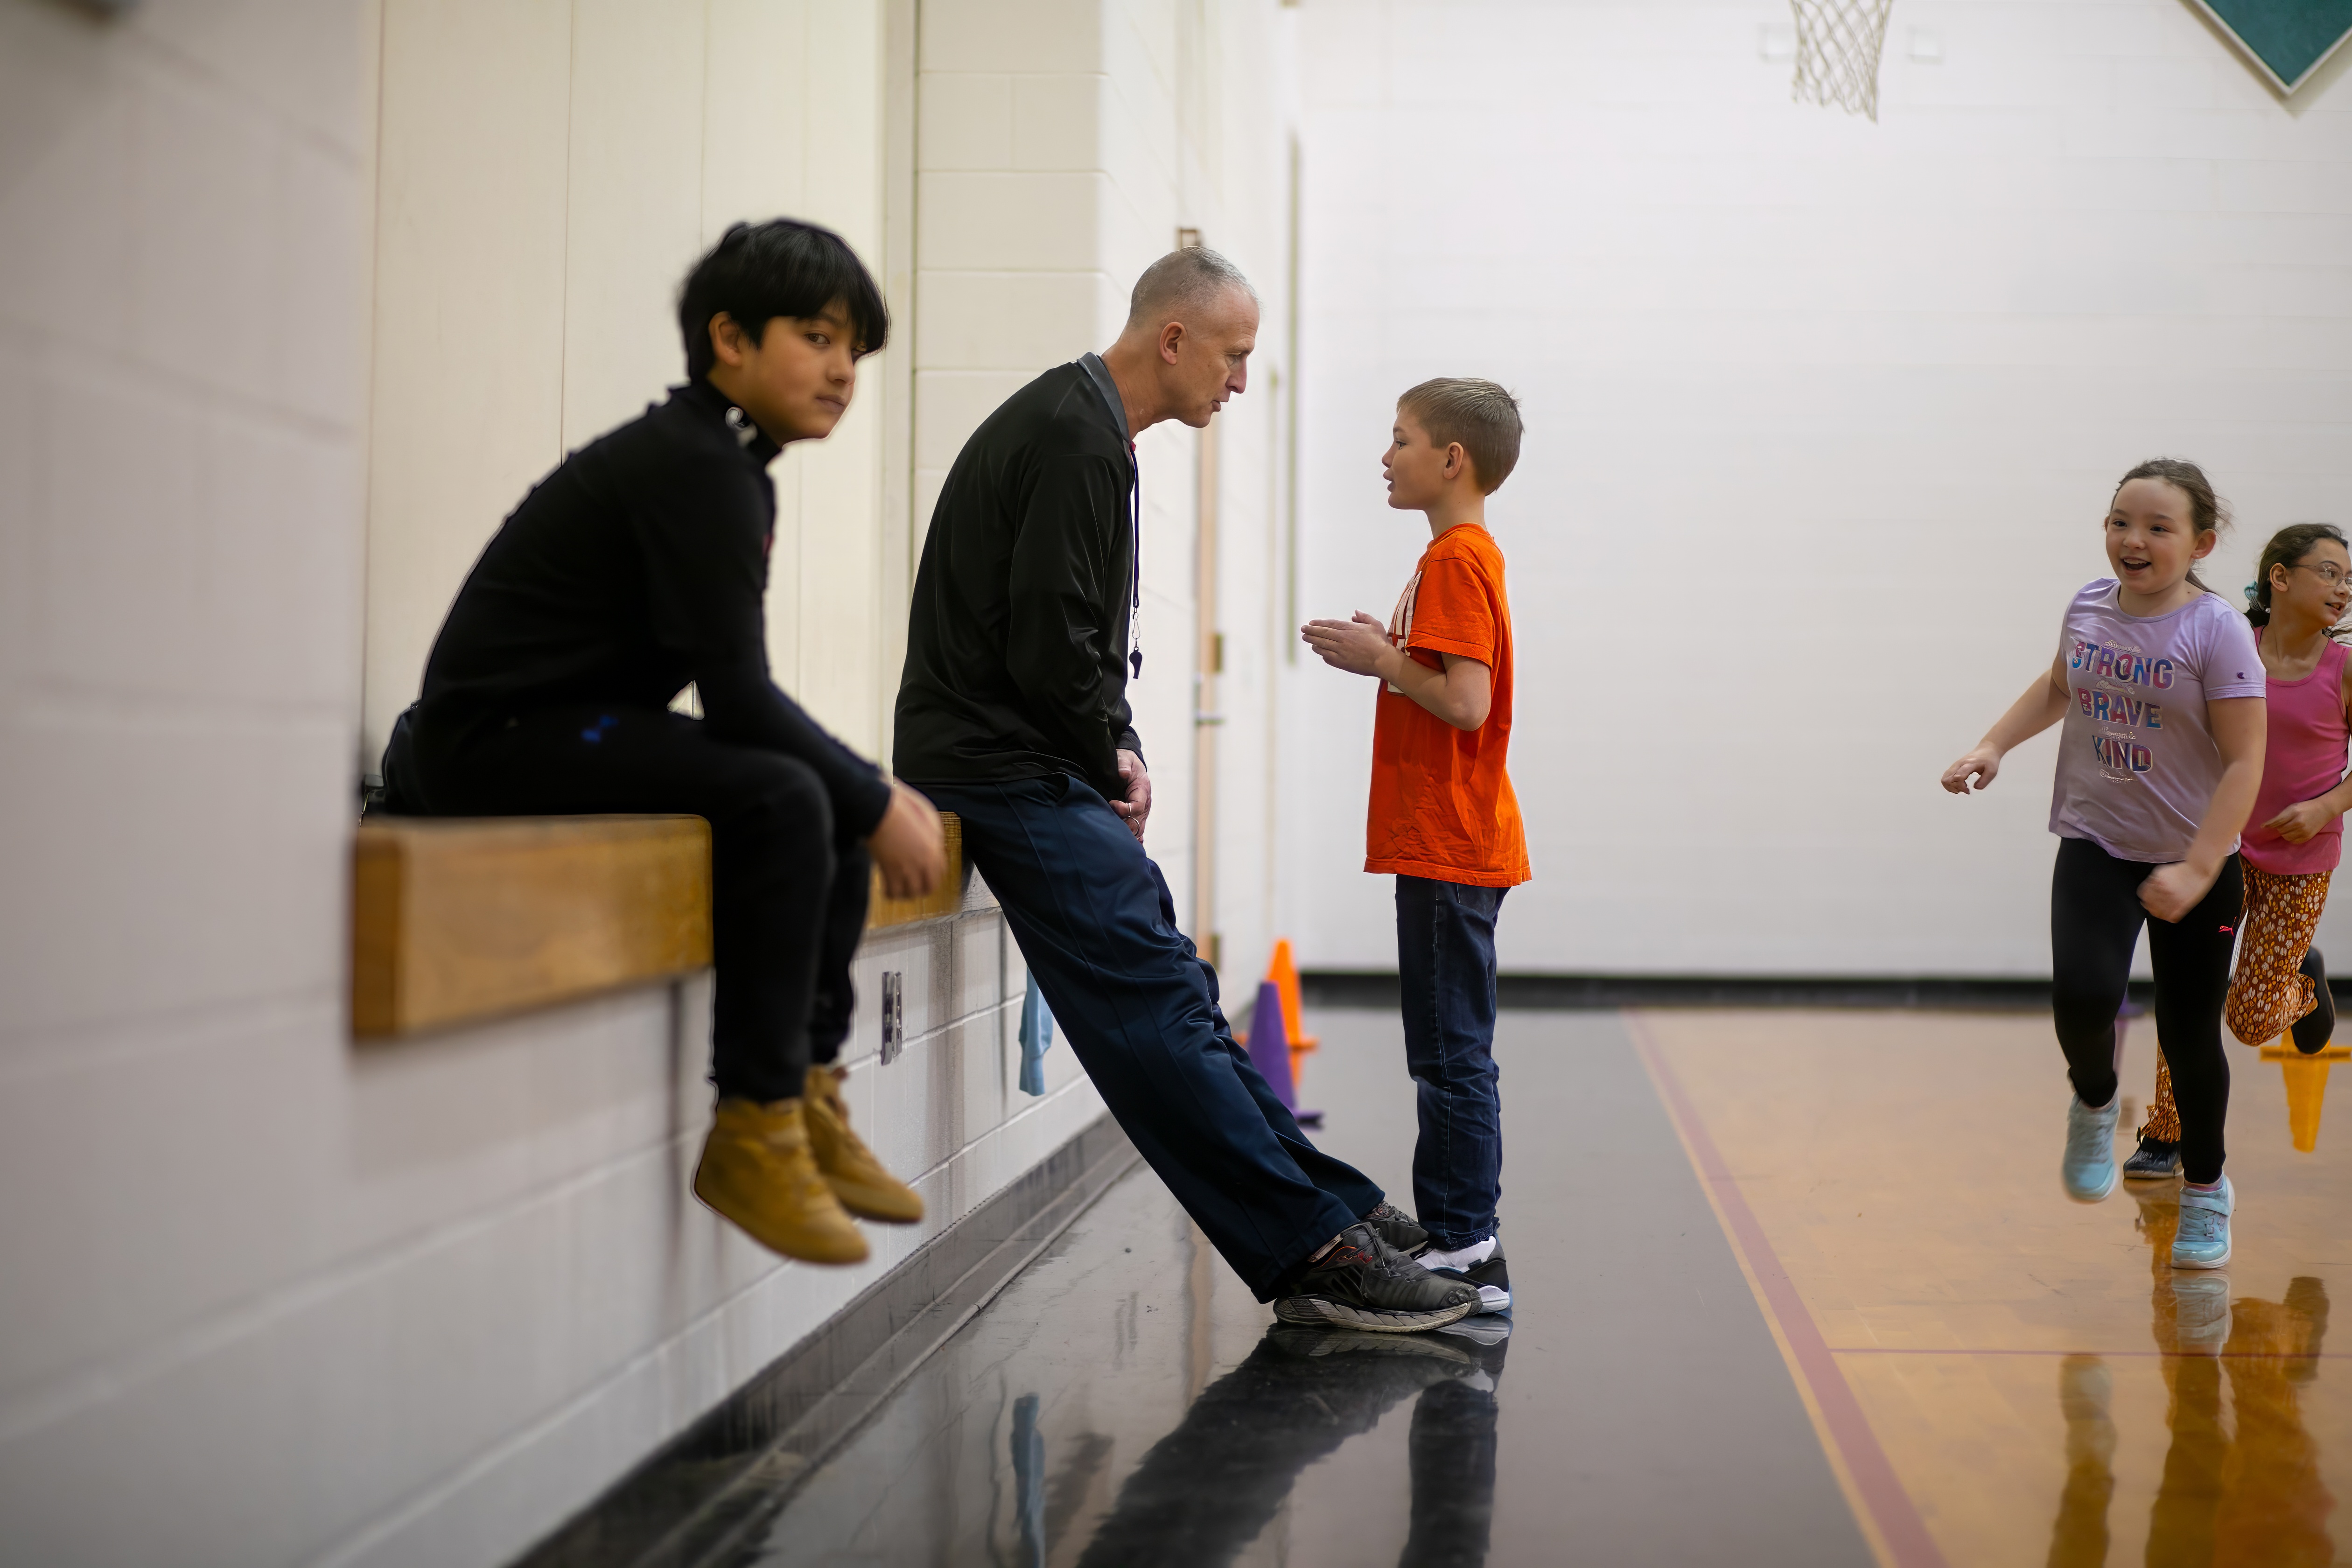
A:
[1014,714]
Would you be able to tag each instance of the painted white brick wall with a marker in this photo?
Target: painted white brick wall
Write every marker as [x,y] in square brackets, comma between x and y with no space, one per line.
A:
[407,1304]
[416,1303]
[1823,415]
[546,176]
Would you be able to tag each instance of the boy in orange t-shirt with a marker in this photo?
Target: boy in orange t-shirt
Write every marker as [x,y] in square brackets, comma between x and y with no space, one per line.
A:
[1444,819]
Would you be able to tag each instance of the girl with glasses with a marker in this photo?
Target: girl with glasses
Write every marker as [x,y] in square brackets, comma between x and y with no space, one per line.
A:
[2160,690]
[2295,834]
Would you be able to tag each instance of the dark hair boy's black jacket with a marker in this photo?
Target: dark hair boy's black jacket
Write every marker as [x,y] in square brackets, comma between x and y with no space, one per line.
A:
[639,564]
[1016,643]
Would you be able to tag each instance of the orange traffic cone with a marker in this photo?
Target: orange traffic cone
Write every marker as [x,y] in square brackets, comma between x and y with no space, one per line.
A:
[2306,1088]
[1283,973]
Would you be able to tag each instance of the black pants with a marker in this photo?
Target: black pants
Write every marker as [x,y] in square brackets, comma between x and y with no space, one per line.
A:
[2095,921]
[788,890]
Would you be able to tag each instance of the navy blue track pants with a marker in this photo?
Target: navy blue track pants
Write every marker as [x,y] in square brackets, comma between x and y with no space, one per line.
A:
[1097,925]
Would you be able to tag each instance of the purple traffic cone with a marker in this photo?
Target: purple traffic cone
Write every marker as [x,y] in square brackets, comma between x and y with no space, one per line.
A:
[1269,1048]
[1269,1051]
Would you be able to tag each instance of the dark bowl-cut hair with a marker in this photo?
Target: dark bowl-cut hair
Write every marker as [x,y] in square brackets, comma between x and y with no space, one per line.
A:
[758,271]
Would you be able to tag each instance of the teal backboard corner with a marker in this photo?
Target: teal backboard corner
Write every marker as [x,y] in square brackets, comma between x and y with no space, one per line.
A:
[2286,40]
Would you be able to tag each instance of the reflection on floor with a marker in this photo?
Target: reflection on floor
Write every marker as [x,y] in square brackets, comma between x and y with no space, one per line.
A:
[1161,1450]
[2004,1376]
[1125,1401]
[1791,1288]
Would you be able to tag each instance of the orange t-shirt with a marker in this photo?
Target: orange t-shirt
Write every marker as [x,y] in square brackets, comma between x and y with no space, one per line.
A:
[1442,803]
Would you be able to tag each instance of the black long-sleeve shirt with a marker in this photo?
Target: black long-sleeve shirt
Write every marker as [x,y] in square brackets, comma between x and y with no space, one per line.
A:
[1017,642]
[638,565]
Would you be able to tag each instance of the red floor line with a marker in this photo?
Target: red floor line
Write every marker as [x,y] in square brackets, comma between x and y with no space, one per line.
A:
[1890,1505]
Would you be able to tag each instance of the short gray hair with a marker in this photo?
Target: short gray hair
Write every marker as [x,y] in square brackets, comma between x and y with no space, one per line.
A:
[1181,281]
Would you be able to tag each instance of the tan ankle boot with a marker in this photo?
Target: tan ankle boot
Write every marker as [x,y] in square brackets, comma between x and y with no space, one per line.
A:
[857,1178]
[757,1170]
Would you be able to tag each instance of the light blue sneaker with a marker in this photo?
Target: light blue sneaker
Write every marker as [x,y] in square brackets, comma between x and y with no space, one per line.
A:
[2203,1238]
[2089,1171]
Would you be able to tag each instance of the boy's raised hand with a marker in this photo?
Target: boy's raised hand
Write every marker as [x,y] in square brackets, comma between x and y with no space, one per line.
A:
[1356,646]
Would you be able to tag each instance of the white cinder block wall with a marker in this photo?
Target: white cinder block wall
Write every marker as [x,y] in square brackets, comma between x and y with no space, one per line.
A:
[414,1303]
[547,174]
[1823,417]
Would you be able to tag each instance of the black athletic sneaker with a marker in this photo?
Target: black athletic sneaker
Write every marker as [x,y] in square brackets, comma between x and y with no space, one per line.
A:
[1492,1278]
[2315,1028]
[2154,1160]
[1364,1283]
[1399,1229]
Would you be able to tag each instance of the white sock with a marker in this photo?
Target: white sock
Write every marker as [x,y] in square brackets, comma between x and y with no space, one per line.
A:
[1469,1257]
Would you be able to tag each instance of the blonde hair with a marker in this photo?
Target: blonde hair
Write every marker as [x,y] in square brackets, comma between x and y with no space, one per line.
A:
[1479,415]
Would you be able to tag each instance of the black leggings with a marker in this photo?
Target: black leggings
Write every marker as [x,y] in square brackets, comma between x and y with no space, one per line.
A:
[788,891]
[2095,921]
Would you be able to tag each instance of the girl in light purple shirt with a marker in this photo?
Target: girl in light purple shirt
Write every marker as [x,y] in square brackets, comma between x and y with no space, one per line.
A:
[2160,690]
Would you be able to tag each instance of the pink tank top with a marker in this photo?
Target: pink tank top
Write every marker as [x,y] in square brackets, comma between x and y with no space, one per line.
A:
[2304,759]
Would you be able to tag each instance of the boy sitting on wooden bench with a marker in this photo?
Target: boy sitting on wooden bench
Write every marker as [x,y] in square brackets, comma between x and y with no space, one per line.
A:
[639,565]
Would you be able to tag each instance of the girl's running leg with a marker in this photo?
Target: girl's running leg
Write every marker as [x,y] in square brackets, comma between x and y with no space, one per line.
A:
[2095,921]
[2191,960]
[2163,1121]
[2271,990]
[2157,1158]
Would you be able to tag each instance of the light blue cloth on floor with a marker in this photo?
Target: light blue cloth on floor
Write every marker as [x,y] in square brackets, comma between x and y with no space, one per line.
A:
[1036,1038]
[1029,1480]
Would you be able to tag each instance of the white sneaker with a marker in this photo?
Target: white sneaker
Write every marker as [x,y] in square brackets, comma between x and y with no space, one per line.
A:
[1480,1264]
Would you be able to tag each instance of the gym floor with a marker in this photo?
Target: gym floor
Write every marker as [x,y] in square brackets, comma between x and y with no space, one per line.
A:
[1792,1287]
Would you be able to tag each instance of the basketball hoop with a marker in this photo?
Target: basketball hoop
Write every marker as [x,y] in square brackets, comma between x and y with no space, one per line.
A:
[1838,44]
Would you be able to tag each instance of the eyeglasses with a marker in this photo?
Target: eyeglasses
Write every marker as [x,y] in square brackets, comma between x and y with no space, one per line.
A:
[2326,572]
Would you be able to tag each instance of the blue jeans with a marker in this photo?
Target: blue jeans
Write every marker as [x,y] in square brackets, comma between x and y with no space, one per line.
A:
[1097,925]
[1445,960]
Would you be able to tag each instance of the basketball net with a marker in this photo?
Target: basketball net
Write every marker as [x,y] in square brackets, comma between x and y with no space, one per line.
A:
[1838,44]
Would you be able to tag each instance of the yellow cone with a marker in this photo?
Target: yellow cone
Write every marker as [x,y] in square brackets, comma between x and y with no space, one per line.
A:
[2306,1088]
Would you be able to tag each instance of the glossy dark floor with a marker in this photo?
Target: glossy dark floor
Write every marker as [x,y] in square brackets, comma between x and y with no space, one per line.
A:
[1125,1401]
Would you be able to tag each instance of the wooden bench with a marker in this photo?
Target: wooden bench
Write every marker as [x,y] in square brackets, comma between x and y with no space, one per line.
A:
[454,919]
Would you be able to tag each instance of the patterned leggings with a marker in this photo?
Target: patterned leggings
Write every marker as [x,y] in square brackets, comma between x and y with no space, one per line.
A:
[2270,991]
